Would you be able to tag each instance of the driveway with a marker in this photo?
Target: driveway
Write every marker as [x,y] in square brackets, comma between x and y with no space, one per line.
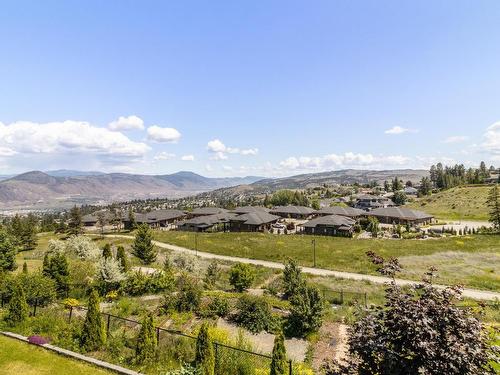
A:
[470,293]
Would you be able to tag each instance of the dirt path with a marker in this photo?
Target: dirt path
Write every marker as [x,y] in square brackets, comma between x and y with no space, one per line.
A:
[470,293]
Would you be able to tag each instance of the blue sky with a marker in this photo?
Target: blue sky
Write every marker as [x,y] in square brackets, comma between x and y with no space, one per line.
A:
[248,87]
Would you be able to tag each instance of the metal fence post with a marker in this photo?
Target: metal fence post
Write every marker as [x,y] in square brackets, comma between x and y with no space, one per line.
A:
[107,326]
[157,335]
[366,301]
[216,347]
[290,369]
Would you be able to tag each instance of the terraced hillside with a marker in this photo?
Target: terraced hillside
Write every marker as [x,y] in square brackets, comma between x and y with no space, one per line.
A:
[459,203]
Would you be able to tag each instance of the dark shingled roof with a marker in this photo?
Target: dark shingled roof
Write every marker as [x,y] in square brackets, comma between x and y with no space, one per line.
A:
[400,213]
[330,221]
[342,211]
[249,209]
[208,220]
[295,210]
[256,218]
[158,215]
[208,211]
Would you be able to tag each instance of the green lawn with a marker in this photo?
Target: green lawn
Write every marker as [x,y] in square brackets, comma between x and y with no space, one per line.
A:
[17,357]
[467,260]
[459,203]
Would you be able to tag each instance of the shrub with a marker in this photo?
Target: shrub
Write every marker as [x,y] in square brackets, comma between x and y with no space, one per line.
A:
[212,275]
[37,340]
[306,313]
[138,283]
[241,276]
[185,262]
[146,341]
[17,311]
[93,336]
[254,314]
[205,358]
[217,307]
[278,361]
[189,294]
[121,257]
[83,247]
[292,278]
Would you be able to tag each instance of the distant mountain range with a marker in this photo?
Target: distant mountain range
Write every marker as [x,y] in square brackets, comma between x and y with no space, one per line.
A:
[63,188]
[311,180]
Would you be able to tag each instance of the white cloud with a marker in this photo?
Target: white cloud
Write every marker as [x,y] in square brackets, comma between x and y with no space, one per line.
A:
[67,137]
[164,156]
[456,139]
[164,135]
[6,151]
[227,168]
[399,130]
[219,150]
[346,160]
[127,123]
[492,140]
[187,157]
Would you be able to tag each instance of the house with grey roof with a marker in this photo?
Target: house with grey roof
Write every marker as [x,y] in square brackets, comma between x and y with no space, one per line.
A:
[205,211]
[158,218]
[410,190]
[370,202]
[400,215]
[292,212]
[257,221]
[249,209]
[207,223]
[330,225]
[353,213]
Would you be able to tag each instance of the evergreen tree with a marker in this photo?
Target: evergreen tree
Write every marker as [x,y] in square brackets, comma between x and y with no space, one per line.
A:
[25,268]
[146,341]
[75,223]
[8,253]
[55,266]
[425,186]
[387,186]
[101,221]
[143,247]
[122,258]
[397,184]
[205,358]
[93,336]
[132,224]
[106,251]
[494,206]
[212,275]
[278,361]
[17,311]
[241,276]
[307,310]
[292,278]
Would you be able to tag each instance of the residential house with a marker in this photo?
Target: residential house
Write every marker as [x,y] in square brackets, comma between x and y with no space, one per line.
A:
[293,212]
[205,211]
[353,213]
[257,221]
[400,215]
[370,202]
[158,218]
[330,225]
[207,223]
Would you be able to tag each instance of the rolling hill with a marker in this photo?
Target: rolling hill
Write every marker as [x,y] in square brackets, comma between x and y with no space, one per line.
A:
[458,203]
[41,190]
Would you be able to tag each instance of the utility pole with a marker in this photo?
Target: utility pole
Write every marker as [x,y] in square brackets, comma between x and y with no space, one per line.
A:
[313,242]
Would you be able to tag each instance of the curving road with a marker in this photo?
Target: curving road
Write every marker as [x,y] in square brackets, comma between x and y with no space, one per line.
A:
[470,293]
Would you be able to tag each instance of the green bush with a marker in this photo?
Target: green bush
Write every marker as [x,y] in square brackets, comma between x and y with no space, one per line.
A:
[139,283]
[217,307]
[241,276]
[254,314]
[187,298]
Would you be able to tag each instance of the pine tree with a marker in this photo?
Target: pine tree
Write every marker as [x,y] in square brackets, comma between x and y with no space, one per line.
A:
[106,251]
[494,206]
[122,258]
[132,224]
[93,336]
[212,275]
[292,278]
[75,223]
[56,267]
[143,247]
[17,311]
[25,268]
[205,358]
[278,361]
[8,253]
[146,341]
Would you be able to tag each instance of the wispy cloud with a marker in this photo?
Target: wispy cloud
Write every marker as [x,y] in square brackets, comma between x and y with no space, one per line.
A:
[456,139]
[219,150]
[399,130]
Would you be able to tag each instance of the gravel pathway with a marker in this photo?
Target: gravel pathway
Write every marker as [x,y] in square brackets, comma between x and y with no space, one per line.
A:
[470,293]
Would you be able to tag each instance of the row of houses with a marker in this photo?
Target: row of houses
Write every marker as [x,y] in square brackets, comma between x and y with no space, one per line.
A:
[326,221]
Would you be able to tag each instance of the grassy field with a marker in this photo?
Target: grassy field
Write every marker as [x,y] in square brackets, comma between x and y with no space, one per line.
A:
[21,358]
[459,203]
[475,258]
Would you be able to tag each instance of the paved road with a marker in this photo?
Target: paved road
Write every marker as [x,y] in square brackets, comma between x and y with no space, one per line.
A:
[470,293]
